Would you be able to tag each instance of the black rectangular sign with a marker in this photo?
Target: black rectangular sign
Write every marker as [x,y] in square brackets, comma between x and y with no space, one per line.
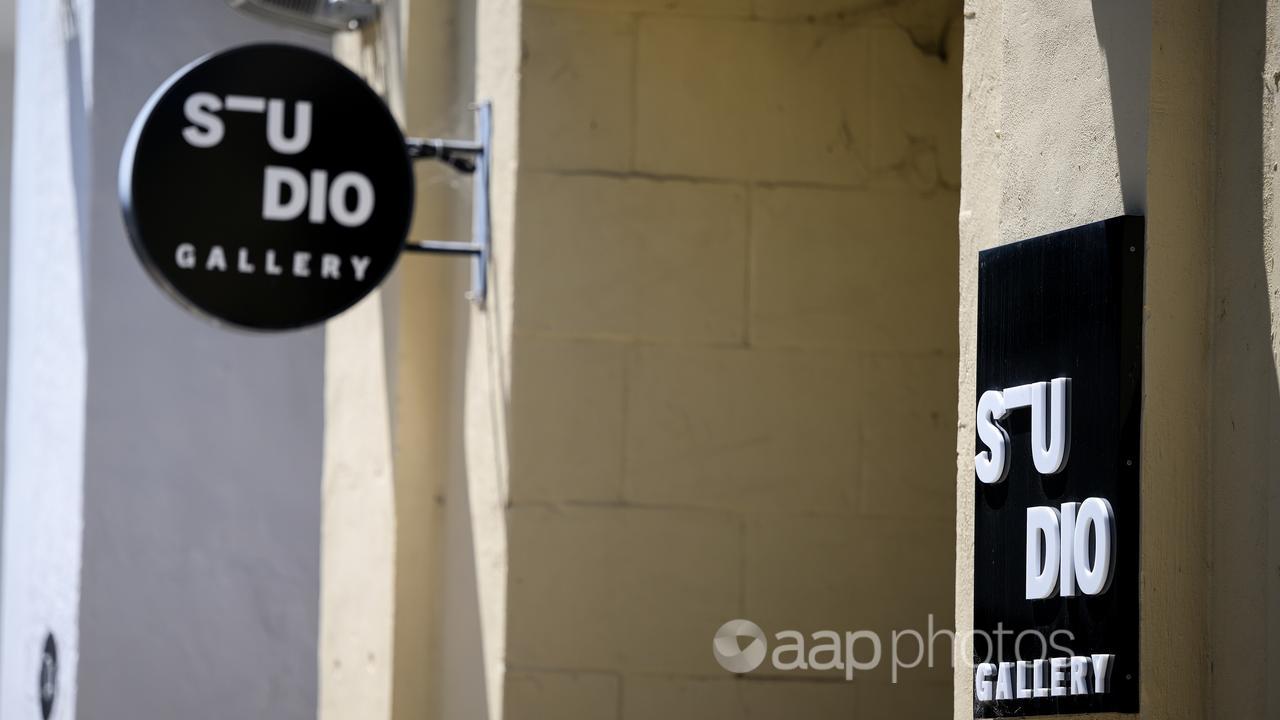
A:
[1059,373]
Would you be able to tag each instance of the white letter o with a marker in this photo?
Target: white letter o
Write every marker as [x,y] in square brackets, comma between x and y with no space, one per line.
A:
[1096,514]
[338,199]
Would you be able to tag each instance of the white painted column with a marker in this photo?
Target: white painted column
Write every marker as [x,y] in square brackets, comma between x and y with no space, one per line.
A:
[162,510]
[44,432]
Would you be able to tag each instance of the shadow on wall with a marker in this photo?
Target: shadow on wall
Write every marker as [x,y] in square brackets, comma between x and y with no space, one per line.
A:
[1245,390]
[1124,34]
[1245,399]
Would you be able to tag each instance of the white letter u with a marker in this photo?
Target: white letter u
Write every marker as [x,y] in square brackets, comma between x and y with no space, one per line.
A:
[1051,425]
[301,127]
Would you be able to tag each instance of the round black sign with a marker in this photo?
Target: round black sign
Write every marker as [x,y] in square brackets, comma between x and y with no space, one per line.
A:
[267,187]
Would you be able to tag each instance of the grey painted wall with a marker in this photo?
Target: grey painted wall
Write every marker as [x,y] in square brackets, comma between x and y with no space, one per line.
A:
[202,446]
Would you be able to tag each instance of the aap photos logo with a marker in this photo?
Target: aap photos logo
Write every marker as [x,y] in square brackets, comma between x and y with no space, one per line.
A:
[739,646]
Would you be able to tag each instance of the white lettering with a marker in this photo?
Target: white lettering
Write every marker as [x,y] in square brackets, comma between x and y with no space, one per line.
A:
[1102,672]
[1004,682]
[319,194]
[185,256]
[984,687]
[1050,427]
[217,259]
[330,266]
[1057,549]
[992,464]
[1042,571]
[1096,514]
[832,648]
[1079,675]
[1039,678]
[851,662]
[359,264]
[285,195]
[1058,676]
[271,261]
[246,103]
[206,129]
[796,648]
[1067,568]
[272,206]
[338,199]
[1024,679]
[301,127]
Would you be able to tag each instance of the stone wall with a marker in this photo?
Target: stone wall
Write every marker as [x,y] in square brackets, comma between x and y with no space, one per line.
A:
[733,349]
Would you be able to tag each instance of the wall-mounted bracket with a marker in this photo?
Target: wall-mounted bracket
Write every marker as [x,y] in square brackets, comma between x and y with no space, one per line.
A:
[470,157]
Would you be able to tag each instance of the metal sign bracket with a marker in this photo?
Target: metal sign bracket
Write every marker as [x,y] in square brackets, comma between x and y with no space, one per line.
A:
[469,157]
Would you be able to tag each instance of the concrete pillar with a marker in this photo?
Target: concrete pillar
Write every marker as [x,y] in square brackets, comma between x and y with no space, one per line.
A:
[1244,594]
[401,614]
[163,482]
[1078,111]
[45,410]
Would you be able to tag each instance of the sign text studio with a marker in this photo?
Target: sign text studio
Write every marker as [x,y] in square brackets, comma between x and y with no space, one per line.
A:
[1069,549]
[287,192]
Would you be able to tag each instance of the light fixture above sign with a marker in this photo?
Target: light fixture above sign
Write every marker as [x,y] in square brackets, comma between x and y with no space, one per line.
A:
[320,15]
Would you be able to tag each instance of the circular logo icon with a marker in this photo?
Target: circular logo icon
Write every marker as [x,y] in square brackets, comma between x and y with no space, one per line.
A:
[731,653]
[267,187]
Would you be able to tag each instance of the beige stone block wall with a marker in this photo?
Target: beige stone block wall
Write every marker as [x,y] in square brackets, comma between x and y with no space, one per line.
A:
[620,588]
[622,258]
[732,350]
[358,508]
[1245,364]
[552,696]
